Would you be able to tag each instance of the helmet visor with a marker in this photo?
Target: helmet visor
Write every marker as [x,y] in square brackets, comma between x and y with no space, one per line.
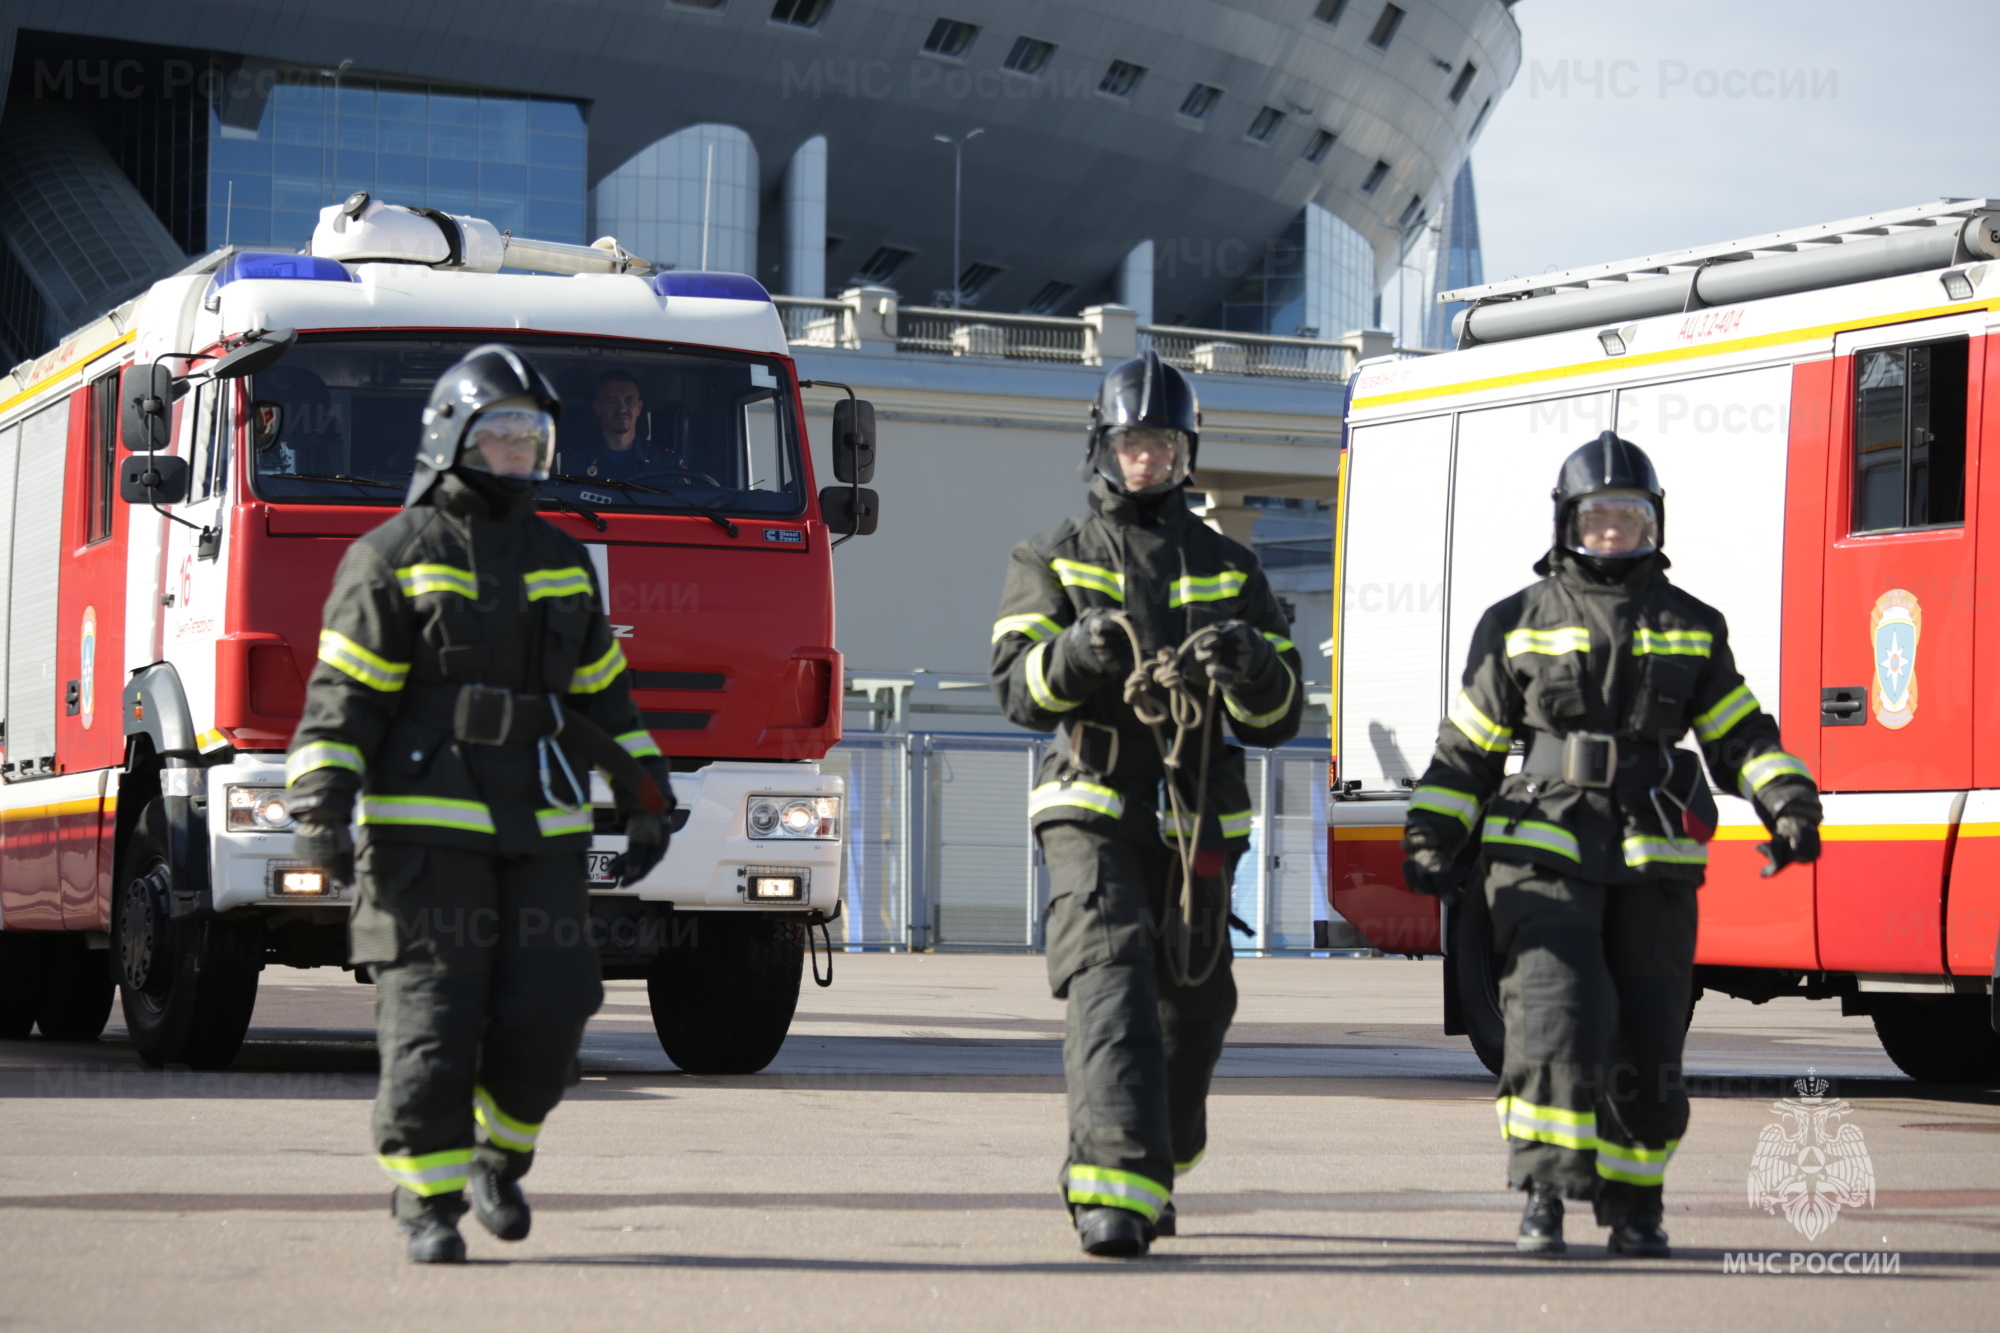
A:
[1143,460]
[513,442]
[1614,523]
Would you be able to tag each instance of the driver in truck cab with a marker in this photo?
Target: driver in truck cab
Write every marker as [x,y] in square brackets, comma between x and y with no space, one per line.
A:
[467,684]
[625,447]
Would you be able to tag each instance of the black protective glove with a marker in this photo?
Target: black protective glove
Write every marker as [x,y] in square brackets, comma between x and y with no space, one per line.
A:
[1095,646]
[1237,656]
[325,843]
[1794,836]
[1427,867]
[646,839]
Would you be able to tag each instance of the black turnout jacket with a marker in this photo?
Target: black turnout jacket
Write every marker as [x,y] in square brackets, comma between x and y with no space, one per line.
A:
[1172,574]
[465,590]
[1639,659]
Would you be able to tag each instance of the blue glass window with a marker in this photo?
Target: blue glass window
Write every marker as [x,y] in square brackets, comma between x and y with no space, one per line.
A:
[488,155]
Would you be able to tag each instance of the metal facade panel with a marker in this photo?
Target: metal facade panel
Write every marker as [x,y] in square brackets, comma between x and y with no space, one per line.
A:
[1392,601]
[37,560]
[1715,441]
[1502,519]
[982,875]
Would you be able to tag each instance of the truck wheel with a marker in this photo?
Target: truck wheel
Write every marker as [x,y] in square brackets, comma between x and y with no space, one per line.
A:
[23,977]
[188,985]
[76,994]
[724,1004]
[1940,1038]
[1478,974]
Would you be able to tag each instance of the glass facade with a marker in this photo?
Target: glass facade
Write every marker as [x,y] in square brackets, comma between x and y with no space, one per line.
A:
[516,161]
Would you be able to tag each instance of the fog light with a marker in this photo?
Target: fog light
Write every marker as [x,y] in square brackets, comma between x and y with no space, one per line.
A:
[774,884]
[295,879]
[767,887]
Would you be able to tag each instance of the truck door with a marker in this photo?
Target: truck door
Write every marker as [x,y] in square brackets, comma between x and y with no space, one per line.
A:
[1896,637]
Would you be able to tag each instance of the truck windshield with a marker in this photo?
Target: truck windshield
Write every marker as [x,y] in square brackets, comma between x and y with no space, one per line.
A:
[644,428]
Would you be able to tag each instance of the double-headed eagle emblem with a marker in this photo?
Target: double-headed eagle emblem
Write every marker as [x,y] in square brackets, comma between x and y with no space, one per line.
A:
[1808,1164]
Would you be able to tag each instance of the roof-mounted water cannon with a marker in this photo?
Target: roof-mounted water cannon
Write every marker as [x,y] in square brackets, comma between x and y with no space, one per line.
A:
[365,230]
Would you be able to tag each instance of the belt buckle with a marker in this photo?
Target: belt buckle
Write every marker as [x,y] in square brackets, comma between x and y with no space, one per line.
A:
[1590,759]
[483,715]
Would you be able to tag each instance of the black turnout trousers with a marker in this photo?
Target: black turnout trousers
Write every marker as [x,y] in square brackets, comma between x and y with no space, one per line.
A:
[1596,994]
[485,975]
[1138,1051]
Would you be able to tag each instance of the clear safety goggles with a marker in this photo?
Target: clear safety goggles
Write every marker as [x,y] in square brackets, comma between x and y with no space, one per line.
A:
[513,442]
[1615,523]
[1144,460]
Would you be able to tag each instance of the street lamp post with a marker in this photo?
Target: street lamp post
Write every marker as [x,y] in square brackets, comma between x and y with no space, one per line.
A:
[957,194]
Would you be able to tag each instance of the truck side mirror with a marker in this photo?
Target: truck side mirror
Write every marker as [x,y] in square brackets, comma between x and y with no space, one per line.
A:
[153,479]
[149,405]
[850,511]
[253,356]
[854,440]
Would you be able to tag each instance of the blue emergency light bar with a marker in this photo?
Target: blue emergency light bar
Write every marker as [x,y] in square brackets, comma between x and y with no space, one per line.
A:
[714,286]
[311,268]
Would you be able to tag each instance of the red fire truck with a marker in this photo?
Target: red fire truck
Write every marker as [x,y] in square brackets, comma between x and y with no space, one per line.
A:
[1816,403]
[179,480]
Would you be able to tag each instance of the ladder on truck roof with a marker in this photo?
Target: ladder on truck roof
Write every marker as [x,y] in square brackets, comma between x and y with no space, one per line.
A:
[1938,213]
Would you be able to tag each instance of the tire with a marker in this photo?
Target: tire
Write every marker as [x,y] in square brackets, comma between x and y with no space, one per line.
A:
[188,985]
[77,991]
[23,978]
[1478,975]
[1940,1038]
[724,1004]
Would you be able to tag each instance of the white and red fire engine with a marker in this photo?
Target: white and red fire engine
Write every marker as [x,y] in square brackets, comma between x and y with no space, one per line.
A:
[1817,405]
[171,535]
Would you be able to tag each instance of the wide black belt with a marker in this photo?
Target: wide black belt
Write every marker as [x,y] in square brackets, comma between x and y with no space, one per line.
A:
[492,715]
[1666,777]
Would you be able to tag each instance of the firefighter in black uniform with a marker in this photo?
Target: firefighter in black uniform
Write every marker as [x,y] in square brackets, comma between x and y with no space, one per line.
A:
[1593,851]
[467,684]
[1138,919]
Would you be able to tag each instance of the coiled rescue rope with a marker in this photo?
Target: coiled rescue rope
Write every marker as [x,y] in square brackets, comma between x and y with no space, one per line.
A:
[1157,692]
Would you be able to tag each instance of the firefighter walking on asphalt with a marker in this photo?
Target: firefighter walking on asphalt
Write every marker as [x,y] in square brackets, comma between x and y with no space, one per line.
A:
[1141,806]
[467,685]
[1592,852]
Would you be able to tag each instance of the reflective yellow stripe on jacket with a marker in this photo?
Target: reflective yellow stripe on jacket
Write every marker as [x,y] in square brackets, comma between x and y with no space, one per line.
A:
[416,580]
[1547,1124]
[503,1130]
[1033,627]
[321,754]
[1211,588]
[566,582]
[427,812]
[596,677]
[1089,796]
[1548,642]
[350,658]
[1445,801]
[1277,714]
[638,744]
[1076,574]
[431,1174]
[1480,729]
[1038,683]
[1733,707]
[1531,833]
[1673,642]
[1765,769]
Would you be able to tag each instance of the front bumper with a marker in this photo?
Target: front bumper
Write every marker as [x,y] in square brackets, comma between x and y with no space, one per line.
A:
[706,868]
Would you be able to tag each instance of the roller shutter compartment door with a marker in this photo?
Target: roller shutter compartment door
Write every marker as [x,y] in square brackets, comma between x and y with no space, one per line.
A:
[36,564]
[10,449]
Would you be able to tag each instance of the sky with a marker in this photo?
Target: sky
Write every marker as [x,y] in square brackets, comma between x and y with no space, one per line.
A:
[1636,126]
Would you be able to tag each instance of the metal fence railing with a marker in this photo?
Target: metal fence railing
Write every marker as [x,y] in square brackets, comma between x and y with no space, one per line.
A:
[972,333]
[1214,352]
[816,323]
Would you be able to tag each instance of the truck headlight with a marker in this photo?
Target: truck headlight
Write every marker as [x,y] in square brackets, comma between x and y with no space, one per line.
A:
[813,817]
[257,810]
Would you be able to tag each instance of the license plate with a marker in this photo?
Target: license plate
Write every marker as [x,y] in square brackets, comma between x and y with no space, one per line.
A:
[597,867]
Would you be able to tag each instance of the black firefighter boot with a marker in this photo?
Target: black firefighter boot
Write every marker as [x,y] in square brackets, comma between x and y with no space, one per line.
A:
[431,1225]
[1542,1222]
[1113,1233]
[1633,1213]
[497,1199]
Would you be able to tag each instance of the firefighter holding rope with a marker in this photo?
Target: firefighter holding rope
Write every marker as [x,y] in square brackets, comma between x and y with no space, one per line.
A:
[1136,633]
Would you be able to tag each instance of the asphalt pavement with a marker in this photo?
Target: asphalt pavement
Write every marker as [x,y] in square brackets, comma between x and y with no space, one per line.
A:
[895,1168]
